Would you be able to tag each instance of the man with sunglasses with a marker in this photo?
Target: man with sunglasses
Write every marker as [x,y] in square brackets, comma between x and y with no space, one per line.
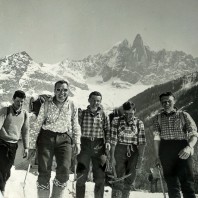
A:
[175,135]
[59,130]
[128,141]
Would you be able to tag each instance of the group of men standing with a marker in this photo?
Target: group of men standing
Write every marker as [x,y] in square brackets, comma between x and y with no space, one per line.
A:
[63,131]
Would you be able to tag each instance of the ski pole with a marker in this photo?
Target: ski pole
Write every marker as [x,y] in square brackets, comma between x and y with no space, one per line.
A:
[28,169]
[161,180]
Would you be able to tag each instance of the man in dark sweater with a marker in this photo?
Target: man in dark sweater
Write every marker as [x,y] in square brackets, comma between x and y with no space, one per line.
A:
[14,122]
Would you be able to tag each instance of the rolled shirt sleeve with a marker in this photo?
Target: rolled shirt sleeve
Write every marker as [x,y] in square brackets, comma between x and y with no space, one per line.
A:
[141,133]
[106,128]
[156,128]
[75,126]
[114,131]
[191,127]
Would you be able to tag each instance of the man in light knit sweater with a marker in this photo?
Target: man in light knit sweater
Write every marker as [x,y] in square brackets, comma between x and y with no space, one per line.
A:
[59,129]
[14,122]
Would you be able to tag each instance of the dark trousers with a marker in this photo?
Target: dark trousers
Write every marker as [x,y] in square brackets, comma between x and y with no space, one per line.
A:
[90,151]
[178,173]
[53,144]
[7,157]
[126,160]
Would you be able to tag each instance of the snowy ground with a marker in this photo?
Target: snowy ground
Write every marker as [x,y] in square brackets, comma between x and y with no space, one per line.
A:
[14,188]
[114,92]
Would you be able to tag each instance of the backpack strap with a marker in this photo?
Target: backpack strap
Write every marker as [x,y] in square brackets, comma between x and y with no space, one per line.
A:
[159,119]
[8,111]
[118,124]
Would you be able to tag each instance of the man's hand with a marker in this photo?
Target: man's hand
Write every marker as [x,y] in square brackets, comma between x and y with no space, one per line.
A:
[157,162]
[25,153]
[139,163]
[113,161]
[185,153]
[108,146]
[113,164]
[77,148]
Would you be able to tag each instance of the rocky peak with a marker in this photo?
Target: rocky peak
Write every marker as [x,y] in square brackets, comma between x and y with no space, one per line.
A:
[138,48]
[138,42]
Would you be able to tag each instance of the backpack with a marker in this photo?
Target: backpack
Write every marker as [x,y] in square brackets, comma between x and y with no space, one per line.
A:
[35,105]
[116,113]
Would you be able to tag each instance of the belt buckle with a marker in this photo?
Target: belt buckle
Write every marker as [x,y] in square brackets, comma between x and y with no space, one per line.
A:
[92,139]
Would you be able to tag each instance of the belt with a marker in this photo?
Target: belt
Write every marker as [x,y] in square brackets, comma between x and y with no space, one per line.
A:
[52,132]
[92,138]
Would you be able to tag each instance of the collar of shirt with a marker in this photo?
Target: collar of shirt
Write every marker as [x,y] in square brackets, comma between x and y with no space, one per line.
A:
[170,113]
[98,111]
[132,121]
[16,112]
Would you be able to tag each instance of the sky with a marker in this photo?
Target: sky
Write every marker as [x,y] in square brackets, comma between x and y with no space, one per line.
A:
[53,30]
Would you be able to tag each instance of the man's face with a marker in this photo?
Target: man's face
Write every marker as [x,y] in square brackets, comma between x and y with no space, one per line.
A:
[61,92]
[168,103]
[129,114]
[18,103]
[95,101]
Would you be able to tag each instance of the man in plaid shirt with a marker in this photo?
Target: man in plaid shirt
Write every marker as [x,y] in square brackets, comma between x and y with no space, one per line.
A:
[174,140]
[95,139]
[128,141]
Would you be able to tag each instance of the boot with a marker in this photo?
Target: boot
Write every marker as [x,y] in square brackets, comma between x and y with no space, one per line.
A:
[80,191]
[99,191]
[43,193]
[125,193]
[58,192]
[116,193]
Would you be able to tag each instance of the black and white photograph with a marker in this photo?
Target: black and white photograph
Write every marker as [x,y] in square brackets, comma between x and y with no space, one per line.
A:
[98,99]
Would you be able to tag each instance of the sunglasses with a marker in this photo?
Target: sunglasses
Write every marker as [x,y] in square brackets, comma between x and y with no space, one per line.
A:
[59,90]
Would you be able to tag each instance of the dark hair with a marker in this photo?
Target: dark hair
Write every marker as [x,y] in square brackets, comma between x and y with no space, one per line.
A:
[19,94]
[128,105]
[95,93]
[61,82]
[168,93]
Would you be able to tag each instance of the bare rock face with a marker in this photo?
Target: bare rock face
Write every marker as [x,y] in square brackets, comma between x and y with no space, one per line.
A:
[137,63]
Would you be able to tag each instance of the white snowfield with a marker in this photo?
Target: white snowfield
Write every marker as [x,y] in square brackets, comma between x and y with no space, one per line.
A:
[14,187]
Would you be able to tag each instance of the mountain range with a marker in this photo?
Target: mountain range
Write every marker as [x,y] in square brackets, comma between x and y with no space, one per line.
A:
[129,63]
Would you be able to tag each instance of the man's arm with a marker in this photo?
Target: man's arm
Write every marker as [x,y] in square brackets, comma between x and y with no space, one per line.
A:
[3,114]
[113,161]
[25,134]
[114,134]
[157,139]
[106,128]
[76,130]
[38,124]
[189,149]
[141,143]
[191,130]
